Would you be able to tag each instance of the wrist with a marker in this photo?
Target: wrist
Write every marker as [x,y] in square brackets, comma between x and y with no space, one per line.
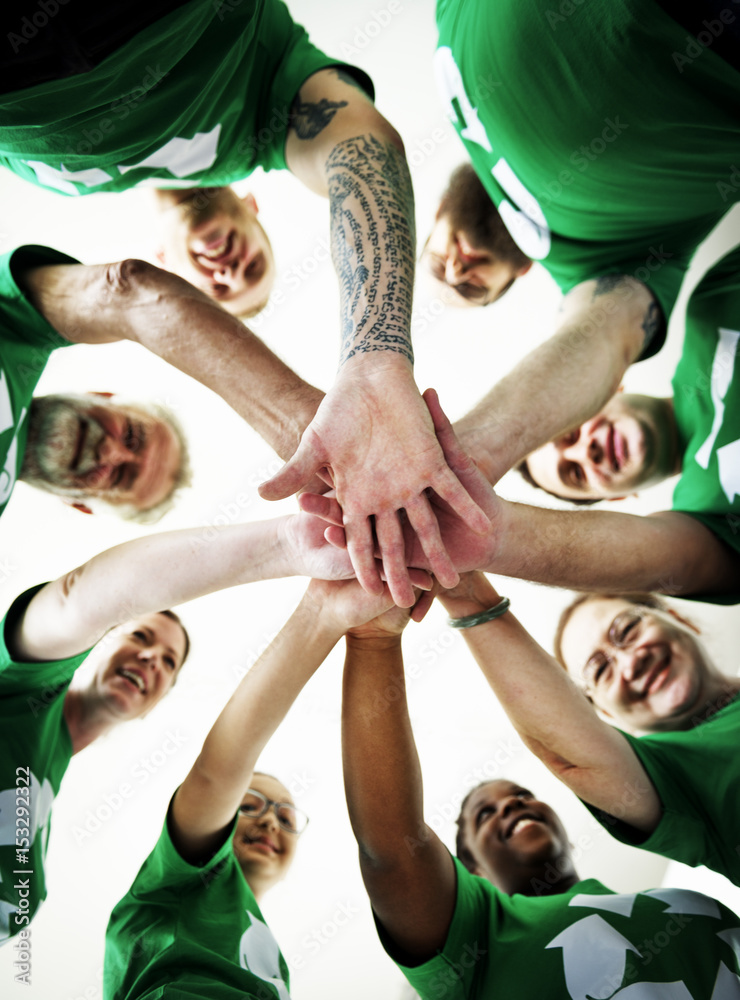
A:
[378,642]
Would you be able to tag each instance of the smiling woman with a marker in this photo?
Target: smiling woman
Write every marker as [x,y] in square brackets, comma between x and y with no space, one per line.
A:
[467,927]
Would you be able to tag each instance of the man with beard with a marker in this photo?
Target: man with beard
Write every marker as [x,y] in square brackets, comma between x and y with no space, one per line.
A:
[570,161]
[236,86]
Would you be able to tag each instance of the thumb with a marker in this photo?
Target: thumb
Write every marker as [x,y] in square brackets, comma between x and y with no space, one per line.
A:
[296,472]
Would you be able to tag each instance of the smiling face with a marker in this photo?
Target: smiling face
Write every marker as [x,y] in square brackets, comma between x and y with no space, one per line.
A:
[264,850]
[142,666]
[642,667]
[469,253]
[87,446]
[629,445]
[512,836]
[212,238]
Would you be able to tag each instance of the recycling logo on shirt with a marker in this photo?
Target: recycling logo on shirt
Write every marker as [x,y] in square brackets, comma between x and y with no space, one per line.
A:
[595,953]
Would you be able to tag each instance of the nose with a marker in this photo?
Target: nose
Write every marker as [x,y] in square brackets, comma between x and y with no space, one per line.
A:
[269,817]
[582,446]
[510,803]
[631,663]
[112,451]
[455,269]
[151,656]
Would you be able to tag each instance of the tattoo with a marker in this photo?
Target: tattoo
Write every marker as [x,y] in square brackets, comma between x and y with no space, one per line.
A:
[652,322]
[347,78]
[310,118]
[373,240]
[607,283]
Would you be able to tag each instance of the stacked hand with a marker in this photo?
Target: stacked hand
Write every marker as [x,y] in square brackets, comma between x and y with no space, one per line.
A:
[384,450]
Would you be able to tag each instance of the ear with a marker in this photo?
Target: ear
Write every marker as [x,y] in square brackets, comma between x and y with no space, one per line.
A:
[159,254]
[612,499]
[621,388]
[684,621]
[79,506]
[103,395]
[251,202]
[524,269]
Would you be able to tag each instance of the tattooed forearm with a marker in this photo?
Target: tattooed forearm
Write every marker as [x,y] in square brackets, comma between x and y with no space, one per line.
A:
[310,118]
[373,240]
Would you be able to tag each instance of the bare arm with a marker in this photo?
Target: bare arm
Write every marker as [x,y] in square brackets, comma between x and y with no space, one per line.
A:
[408,872]
[206,802]
[551,714]
[604,326]
[155,572]
[372,431]
[670,552]
[133,300]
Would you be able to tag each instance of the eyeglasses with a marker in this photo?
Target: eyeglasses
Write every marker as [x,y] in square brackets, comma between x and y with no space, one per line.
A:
[623,632]
[290,818]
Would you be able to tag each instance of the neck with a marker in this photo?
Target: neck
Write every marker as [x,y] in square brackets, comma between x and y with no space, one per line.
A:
[259,886]
[87,718]
[718,692]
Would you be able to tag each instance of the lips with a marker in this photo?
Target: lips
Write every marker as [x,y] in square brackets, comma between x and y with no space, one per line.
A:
[520,822]
[466,253]
[218,252]
[134,677]
[265,843]
[654,676]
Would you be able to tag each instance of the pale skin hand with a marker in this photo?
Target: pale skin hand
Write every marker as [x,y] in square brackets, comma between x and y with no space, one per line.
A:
[467,549]
[551,714]
[372,432]
[71,613]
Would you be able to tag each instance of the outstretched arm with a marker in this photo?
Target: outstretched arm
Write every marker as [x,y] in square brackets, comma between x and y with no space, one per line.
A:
[372,431]
[206,802]
[133,300]
[408,873]
[551,714]
[147,574]
[604,326]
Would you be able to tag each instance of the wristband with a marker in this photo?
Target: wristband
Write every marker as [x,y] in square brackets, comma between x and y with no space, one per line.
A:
[481,616]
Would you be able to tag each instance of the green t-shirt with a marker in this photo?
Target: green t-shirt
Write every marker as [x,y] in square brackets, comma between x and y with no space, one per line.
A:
[26,341]
[35,751]
[603,150]
[184,931]
[200,97]
[589,942]
[697,777]
[706,399]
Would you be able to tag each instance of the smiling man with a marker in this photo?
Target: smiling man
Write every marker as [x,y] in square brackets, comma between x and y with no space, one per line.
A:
[238,86]
[470,252]
[101,454]
[211,238]
[631,444]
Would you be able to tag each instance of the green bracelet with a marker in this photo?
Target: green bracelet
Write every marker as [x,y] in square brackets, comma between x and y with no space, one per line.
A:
[481,616]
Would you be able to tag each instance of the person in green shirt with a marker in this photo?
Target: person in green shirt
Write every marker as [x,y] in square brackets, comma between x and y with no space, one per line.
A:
[656,764]
[565,169]
[191,926]
[511,915]
[50,630]
[236,86]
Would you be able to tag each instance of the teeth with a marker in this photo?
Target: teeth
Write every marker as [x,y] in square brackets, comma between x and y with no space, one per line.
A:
[212,253]
[520,824]
[131,676]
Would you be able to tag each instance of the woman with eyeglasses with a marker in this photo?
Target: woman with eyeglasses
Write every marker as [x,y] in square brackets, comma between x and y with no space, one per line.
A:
[656,764]
[191,926]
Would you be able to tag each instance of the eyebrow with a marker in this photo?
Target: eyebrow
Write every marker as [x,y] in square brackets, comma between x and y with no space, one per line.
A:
[150,636]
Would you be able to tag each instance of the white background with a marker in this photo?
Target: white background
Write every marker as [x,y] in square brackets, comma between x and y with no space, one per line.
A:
[458,725]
